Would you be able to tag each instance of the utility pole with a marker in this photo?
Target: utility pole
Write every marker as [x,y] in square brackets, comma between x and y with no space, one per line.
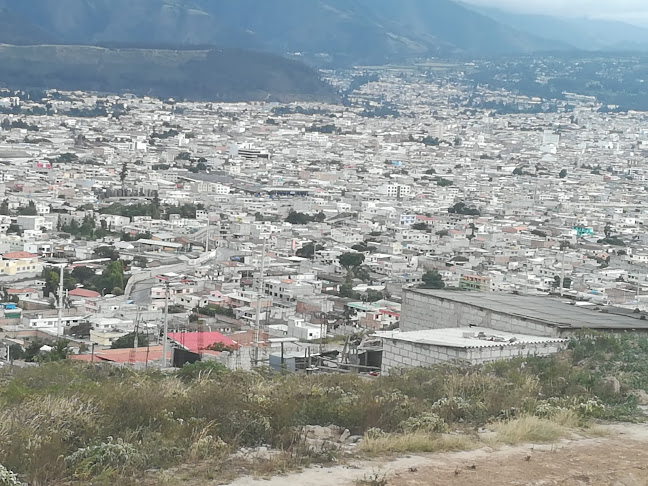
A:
[166,325]
[258,309]
[207,241]
[562,268]
[59,330]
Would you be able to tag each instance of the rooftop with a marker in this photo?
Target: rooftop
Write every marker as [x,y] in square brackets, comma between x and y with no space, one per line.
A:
[548,310]
[466,337]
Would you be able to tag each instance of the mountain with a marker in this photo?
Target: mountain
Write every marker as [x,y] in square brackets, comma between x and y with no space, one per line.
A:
[582,33]
[15,29]
[199,74]
[345,31]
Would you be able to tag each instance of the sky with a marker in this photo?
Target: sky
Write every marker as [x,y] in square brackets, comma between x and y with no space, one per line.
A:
[633,11]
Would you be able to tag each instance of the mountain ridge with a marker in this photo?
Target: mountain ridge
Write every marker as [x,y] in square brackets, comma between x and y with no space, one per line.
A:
[343,31]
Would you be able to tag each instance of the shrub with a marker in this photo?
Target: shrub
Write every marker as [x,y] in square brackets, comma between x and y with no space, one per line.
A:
[8,478]
[102,460]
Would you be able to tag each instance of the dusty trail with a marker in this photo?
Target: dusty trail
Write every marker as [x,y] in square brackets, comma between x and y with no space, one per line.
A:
[620,459]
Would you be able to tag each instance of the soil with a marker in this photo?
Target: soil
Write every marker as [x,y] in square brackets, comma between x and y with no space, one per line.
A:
[620,458]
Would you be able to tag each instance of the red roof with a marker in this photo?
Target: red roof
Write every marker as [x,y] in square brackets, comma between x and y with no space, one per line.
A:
[123,355]
[83,293]
[21,291]
[190,340]
[17,255]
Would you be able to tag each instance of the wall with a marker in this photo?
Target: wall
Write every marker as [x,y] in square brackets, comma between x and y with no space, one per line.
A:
[397,354]
[422,312]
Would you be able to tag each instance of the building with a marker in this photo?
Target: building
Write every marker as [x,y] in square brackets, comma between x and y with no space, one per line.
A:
[466,345]
[531,315]
[16,262]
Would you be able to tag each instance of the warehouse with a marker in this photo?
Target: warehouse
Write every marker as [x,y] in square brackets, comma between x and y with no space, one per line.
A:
[530,315]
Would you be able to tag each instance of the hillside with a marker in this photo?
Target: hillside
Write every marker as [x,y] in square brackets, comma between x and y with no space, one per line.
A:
[78,424]
[216,75]
[339,31]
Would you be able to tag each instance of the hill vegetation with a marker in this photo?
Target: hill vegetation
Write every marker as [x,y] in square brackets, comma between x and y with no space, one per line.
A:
[82,423]
[217,74]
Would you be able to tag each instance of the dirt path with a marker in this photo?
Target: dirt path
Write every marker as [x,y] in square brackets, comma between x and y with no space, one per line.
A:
[618,460]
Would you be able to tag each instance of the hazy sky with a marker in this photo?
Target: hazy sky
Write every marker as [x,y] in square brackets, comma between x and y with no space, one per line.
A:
[635,11]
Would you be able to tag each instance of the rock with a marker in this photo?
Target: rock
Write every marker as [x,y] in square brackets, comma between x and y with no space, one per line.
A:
[319,432]
[613,383]
[345,435]
[641,395]
[354,438]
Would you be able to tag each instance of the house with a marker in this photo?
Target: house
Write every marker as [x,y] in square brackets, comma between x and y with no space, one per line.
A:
[16,262]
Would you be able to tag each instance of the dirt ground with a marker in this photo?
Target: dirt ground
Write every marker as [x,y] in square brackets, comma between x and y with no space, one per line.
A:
[618,459]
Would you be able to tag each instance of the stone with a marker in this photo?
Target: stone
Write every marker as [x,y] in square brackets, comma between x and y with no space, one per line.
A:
[641,395]
[613,383]
[345,435]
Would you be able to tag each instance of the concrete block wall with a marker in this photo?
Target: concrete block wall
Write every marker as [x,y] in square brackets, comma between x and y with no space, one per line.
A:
[402,354]
[422,312]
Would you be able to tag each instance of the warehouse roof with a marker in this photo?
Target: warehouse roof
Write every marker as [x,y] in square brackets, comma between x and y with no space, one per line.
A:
[551,311]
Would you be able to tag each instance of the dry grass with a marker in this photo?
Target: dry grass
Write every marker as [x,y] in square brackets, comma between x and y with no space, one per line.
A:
[535,429]
[415,442]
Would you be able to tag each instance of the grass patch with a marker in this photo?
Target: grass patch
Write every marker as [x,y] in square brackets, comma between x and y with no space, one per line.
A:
[534,429]
[415,442]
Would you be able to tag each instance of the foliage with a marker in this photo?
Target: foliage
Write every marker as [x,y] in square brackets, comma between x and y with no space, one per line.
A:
[161,421]
[432,280]
[563,173]
[308,250]
[351,260]
[128,341]
[8,478]
[295,217]
[29,210]
[461,208]
[441,182]
[101,460]
[420,226]
[214,310]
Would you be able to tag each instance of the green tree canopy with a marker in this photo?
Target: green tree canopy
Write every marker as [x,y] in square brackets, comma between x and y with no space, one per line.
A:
[432,280]
[128,341]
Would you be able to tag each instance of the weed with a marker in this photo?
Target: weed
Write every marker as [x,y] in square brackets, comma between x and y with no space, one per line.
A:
[415,442]
[374,479]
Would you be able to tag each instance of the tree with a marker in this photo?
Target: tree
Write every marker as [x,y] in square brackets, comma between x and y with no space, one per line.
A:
[16,352]
[14,228]
[30,210]
[518,171]
[81,331]
[4,207]
[83,275]
[563,174]
[106,252]
[308,250]
[374,295]
[420,226]
[461,208]
[140,261]
[608,230]
[124,173]
[363,272]
[128,341]
[432,280]
[351,260]
[112,277]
